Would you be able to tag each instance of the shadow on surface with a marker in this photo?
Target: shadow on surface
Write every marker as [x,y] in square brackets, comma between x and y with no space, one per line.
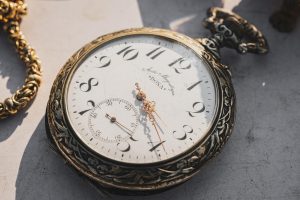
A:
[260,160]
[43,174]
[13,70]
[261,157]
[181,16]
[11,66]
[10,124]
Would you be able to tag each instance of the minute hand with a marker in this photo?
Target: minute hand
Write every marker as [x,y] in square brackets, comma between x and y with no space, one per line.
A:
[149,108]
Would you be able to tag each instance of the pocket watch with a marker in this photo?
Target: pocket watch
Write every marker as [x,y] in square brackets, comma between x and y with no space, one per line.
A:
[140,110]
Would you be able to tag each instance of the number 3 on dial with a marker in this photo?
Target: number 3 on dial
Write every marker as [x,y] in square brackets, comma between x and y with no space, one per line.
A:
[183,134]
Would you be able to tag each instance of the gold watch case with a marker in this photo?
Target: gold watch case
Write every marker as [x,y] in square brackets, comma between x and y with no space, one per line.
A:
[140,178]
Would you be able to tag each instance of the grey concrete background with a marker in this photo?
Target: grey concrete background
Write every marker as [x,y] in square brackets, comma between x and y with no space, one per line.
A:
[261,159]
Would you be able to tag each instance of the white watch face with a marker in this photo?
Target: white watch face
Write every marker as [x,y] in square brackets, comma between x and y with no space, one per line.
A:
[177,112]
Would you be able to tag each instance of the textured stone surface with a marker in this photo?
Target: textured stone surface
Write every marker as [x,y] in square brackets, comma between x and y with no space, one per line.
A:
[261,159]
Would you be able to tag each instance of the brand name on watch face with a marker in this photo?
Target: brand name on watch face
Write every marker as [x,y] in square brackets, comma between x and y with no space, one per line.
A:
[160,80]
[165,114]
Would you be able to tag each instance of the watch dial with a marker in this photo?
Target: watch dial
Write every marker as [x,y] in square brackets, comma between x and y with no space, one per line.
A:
[141,99]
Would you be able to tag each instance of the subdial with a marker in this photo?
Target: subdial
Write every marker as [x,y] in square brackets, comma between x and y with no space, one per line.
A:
[113,120]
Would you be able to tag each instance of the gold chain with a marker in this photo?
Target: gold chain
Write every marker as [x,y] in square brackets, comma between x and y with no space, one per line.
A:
[11,12]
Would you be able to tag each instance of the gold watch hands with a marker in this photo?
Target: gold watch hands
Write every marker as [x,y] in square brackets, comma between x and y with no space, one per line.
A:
[149,108]
[160,118]
[114,120]
[153,122]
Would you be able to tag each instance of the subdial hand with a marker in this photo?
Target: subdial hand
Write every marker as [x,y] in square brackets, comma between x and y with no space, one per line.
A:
[114,121]
[149,108]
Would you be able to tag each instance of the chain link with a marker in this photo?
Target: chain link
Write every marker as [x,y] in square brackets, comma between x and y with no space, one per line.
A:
[232,31]
[11,12]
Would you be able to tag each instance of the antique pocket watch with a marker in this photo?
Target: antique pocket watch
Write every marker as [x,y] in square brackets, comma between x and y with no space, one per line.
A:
[142,109]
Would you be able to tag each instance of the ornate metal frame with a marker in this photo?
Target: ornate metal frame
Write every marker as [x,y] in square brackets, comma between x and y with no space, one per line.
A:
[140,178]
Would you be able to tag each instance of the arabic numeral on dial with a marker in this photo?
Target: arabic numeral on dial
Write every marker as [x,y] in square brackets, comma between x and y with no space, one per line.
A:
[109,102]
[118,138]
[104,61]
[87,86]
[155,53]
[127,107]
[98,133]
[90,104]
[182,135]
[133,139]
[155,146]
[194,85]
[128,53]
[93,115]
[180,64]
[198,107]
[123,146]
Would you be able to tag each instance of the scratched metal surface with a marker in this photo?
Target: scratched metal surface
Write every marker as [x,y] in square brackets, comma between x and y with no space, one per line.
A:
[261,159]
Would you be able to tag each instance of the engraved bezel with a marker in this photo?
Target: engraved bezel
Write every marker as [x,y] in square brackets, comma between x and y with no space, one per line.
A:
[140,177]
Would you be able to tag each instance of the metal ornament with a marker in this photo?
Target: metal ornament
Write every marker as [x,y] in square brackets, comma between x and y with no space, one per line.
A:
[11,13]
[228,29]
[232,31]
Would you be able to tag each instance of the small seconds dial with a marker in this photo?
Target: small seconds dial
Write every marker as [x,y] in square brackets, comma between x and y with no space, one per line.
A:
[113,120]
